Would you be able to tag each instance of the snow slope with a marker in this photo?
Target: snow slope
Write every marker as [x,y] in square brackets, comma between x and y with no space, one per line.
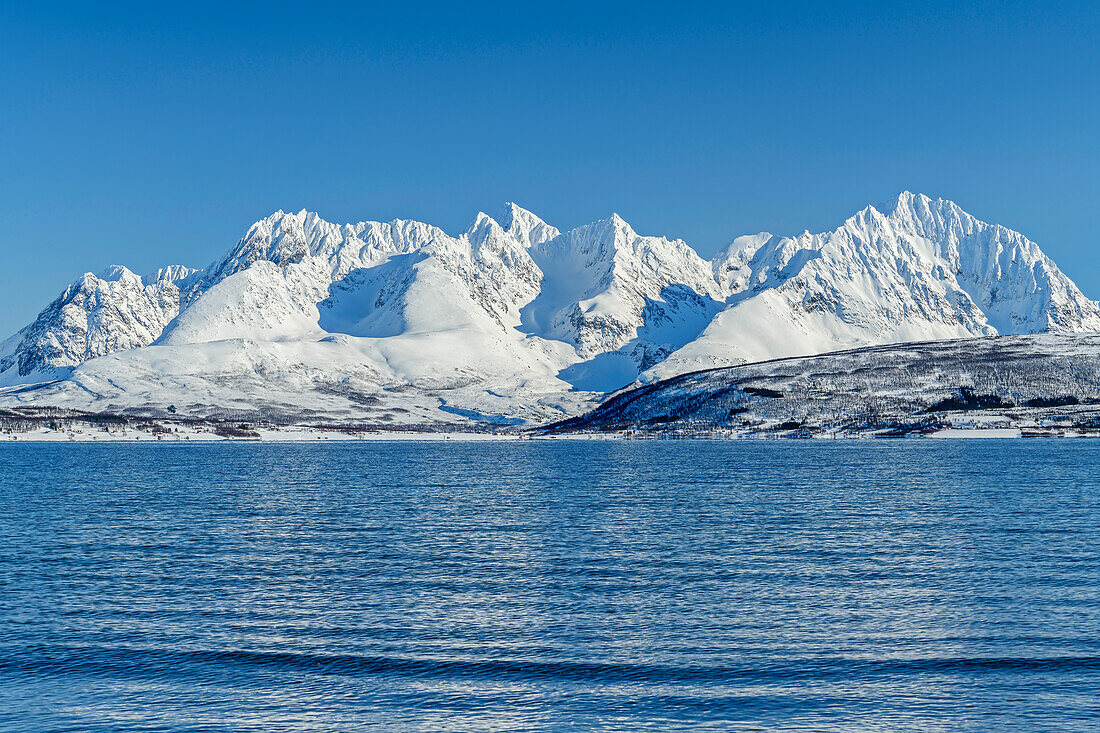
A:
[403,323]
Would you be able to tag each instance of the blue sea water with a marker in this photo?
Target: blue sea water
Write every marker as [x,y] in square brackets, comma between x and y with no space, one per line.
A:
[557,585]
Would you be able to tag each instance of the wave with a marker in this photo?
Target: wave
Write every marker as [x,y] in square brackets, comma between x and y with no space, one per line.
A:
[143,662]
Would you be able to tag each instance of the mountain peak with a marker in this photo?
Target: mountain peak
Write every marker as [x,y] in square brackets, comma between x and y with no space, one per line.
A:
[923,208]
[485,229]
[170,274]
[525,226]
[909,198]
[615,223]
[904,201]
[280,217]
[484,220]
[115,273]
[512,213]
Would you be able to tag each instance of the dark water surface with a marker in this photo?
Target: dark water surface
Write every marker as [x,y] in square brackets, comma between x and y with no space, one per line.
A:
[906,585]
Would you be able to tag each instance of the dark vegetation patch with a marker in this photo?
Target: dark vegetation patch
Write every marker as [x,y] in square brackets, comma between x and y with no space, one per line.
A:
[1063,401]
[1087,422]
[230,431]
[105,418]
[901,429]
[762,392]
[731,392]
[967,399]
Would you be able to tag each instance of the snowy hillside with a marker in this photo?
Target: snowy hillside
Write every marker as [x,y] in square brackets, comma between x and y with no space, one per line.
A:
[1047,384]
[513,321]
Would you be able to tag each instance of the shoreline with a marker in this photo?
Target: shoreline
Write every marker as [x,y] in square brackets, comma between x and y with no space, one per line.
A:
[288,434]
[306,435]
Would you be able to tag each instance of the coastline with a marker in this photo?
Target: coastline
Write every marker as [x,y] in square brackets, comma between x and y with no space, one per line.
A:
[308,435]
[287,434]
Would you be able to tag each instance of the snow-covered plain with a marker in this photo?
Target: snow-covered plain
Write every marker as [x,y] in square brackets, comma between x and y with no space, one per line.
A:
[401,325]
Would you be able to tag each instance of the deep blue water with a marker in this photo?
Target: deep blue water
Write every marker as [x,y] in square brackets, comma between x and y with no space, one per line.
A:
[892,585]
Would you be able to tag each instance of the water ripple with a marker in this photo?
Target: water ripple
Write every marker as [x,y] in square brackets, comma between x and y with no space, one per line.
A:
[551,586]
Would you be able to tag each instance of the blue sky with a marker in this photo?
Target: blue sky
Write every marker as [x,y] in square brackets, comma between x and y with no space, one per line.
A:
[148,134]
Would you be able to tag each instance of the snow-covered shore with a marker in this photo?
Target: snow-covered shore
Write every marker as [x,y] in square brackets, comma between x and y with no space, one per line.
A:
[265,435]
[301,434]
[287,434]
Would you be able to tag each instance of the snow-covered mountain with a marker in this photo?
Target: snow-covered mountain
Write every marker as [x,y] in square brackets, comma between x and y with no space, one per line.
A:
[914,269]
[402,323]
[96,315]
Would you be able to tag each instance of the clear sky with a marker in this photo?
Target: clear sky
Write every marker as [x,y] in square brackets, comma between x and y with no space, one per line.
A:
[155,133]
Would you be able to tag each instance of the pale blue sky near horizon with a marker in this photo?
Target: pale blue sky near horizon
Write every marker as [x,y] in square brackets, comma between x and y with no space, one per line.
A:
[146,135]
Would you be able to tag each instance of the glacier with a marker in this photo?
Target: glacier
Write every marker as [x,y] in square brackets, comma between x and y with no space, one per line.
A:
[401,324]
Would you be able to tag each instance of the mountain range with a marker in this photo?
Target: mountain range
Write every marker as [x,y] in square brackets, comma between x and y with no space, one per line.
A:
[513,321]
